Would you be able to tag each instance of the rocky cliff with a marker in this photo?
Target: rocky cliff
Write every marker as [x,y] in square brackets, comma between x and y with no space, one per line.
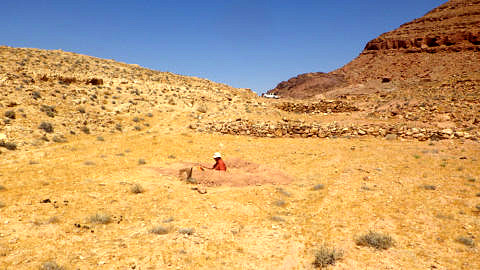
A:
[443,43]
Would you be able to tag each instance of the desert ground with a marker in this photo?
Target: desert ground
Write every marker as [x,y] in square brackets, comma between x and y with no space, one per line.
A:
[99,203]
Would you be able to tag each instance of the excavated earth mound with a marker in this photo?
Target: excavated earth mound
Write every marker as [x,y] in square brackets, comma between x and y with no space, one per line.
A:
[239,173]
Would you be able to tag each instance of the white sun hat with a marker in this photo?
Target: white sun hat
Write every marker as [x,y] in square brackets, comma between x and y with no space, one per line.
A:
[217,155]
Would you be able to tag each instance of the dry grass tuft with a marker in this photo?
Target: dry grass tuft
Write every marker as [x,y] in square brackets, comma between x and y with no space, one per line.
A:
[327,256]
[53,220]
[2,205]
[100,218]
[51,266]
[278,219]
[429,187]
[136,189]
[318,187]
[47,127]
[280,203]
[187,231]
[467,241]
[160,230]
[9,145]
[375,240]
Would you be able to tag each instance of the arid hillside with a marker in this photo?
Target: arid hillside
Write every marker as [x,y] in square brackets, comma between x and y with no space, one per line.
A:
[48,96]
[442,46]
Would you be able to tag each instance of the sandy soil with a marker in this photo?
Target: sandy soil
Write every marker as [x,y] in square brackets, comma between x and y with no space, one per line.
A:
[369,184]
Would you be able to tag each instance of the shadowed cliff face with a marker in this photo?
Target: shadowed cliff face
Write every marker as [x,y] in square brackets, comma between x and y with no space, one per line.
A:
[309,84]
[443,43]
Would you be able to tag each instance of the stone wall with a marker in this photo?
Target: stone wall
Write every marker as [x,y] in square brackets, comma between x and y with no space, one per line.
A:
[328,106]
[288,128]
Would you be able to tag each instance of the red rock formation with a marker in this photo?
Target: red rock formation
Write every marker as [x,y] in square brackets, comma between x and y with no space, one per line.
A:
[444,42]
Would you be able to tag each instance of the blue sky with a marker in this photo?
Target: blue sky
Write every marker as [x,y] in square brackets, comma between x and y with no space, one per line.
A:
[243,43]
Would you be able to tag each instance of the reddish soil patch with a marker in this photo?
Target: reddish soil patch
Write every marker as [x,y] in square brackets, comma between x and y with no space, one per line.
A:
[239,173]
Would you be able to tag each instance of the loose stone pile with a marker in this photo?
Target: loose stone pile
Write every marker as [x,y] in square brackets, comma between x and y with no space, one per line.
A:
[326,106]
[288,128]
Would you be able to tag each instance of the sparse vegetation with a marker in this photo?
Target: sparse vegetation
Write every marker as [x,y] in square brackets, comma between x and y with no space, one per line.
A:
[59,139]
[100,218]
[467,241]
[318,187]
[326,256]
[36,95]
[89,163]
[142,161]
[277,219]
[284,192]
[47,127]
[51,265]
[2,188]
[53,220]
[9,145]
[187,231]
[202,108]
[375,240]
[136,189]
[10,114]
[2,205]
[160,230]
[48,110]
[280,203]
[429,187]
[85,130]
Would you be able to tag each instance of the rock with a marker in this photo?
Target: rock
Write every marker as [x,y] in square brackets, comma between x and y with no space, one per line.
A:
[447,131]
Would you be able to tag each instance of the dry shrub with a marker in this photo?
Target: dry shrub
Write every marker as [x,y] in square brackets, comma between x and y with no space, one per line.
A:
[95,81]
[100,218]
[467,241]
[187,231]
[47,127]
[159,230]
[202,108]
[50,111]
[375,240]
[136,189]
[66,80]
[8,145]
[10,114]
[50,265]
[278,219]
[280,203]
[326,256]
[429,187]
